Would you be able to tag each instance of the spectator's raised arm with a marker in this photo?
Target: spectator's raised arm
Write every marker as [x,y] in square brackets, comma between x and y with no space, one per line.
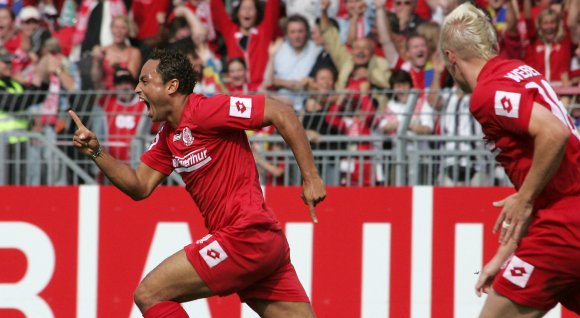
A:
[384,33]
[221,20]
[198,30]
[334,46]
[572,8]
[270,23]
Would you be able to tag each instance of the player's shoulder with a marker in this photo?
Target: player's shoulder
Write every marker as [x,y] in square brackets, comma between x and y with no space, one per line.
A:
[507,73]
[501,75]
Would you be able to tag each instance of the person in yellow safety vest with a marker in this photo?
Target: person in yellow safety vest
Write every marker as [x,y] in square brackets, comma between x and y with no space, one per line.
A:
[8,122]
[12,120]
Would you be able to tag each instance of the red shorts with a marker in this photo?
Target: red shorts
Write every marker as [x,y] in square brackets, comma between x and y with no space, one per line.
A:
[253,262]
[545,268]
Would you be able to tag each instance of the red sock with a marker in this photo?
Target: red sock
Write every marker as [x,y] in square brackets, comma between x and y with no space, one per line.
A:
[165,309]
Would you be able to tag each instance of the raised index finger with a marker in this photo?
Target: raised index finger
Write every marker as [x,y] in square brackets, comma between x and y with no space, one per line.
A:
[76,119]
[312,212]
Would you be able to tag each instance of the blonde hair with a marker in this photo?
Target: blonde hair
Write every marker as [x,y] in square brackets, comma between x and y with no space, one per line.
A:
[129,23]
[468,32]
[546,13]
[430,31]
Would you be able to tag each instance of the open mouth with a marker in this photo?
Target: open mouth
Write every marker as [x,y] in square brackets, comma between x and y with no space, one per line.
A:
[247,21]
[146,104]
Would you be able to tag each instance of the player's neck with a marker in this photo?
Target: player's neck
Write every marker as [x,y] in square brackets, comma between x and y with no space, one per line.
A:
[471,70]
[179,102]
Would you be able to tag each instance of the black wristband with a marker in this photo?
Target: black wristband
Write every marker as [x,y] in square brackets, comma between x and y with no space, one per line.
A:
[96,153]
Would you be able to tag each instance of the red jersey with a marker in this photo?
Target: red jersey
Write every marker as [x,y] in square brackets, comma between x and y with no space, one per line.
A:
[557,54]
[122,123]
[256,54]
[144,14]
[502,102]
[210,150]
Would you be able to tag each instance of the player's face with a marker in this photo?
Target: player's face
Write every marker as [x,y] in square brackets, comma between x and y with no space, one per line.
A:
[153,92]
[458,77]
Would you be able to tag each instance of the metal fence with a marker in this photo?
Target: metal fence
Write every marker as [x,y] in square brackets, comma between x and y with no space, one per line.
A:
[349,134]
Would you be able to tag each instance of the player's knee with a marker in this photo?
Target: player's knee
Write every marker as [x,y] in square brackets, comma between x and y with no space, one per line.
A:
[143,297]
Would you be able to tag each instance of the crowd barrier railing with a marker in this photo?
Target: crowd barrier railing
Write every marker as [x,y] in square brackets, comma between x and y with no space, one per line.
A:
[351,145]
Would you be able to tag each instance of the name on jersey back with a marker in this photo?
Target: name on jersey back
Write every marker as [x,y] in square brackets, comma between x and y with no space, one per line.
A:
[521,73]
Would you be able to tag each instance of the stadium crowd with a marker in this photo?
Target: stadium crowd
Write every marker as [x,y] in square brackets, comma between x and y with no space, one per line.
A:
[345,66]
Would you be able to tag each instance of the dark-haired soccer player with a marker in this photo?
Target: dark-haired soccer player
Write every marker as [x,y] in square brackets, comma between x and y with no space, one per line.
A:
[203,139]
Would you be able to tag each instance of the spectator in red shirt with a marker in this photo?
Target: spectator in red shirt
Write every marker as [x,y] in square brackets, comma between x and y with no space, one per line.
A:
[146,15]
[550,41]
[8,30]
[123,112]
[247,35]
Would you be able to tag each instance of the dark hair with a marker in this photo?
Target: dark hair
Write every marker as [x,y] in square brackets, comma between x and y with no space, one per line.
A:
[329,68]
[400,76]
[176,24]
[415,35]
[297,18]
[175,65]
[233,60]
[259,12]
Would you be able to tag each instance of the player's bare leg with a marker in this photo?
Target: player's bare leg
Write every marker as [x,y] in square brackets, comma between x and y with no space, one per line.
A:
[281,309]
[174,279]
[499,306]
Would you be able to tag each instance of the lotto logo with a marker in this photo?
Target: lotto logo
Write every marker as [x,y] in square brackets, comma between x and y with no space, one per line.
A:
[507,104]
[240,107]
[213,254]
[518,271]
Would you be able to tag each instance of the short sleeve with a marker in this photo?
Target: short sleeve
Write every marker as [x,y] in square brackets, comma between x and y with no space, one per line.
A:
[226,113]
[158,156]
[512,108]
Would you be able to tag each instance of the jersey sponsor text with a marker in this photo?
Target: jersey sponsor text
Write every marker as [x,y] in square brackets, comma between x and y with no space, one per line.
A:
[192,161]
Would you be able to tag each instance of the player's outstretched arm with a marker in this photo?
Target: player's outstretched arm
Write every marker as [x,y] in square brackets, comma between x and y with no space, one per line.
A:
[491,269]
[550,139]
[290,128]
[138,184]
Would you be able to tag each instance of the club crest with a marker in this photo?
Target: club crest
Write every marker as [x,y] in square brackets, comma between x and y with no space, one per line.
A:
[187,137]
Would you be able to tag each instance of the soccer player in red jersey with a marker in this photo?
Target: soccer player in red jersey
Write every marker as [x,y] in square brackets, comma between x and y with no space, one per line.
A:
[537,263]
[203,139]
